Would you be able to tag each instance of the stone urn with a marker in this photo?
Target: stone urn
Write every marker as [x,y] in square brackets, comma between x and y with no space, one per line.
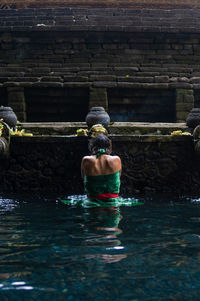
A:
[8,116]
[193,119]
[97,115]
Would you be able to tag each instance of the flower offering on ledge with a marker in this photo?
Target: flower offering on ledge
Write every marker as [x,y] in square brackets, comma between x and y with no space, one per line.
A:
[19,133]
[96,130]
[82,132]
[178,133]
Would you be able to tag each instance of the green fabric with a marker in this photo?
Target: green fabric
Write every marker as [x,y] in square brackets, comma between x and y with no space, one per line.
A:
[100,152]
[95,185]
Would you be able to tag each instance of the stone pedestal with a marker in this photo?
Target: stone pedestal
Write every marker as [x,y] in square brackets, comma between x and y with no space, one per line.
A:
[184,104]
[98,98]
[16,101]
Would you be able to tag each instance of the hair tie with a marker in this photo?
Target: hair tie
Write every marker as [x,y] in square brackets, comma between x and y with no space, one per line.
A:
[100,152]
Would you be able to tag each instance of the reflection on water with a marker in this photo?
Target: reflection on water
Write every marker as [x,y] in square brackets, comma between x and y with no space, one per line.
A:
[102,227]
[52,251]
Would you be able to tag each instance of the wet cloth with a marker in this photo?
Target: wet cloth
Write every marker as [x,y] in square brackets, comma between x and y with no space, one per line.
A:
[102,186]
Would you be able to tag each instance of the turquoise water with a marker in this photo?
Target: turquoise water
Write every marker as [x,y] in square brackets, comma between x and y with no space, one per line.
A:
[53,251]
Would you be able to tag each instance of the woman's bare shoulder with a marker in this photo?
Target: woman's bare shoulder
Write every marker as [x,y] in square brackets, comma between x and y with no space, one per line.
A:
[115,162]
[87,159]
[115,158]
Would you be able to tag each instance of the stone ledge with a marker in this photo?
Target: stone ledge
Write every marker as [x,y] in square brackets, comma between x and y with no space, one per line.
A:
[101,84]
[77,5]
[82,139]
[175,21]
[126,128]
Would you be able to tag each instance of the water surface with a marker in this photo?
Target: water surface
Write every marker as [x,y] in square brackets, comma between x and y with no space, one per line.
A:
[52,251]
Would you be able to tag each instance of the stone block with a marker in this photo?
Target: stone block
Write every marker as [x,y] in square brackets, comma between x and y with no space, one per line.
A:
[14,97]
[51,79]
[162,79]
[21,116]
[155,86]
[195,80]
[17,107]
[76,84]
[12,84]
[15,89]
[187,98]
[71,78]
[102,77]
[105,84]
[184,91]
[135,79]
[48,84]
[184,107]
[180,85]
[183,79]
[181,115]
[130,85]
[196,86]
[98,97]
[126,69]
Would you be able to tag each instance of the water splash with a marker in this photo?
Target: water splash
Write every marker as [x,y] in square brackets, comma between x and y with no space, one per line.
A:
[83,201]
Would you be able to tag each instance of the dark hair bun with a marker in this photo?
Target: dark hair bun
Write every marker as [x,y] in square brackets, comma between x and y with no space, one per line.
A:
[100,141]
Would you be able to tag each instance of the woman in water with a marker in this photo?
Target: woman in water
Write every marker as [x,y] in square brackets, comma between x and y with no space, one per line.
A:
[101,171]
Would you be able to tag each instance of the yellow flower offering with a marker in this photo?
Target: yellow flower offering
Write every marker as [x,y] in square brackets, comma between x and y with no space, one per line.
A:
[174,133]
[19,133]
[180,133]
[82,132]
[97,129]
[27,134]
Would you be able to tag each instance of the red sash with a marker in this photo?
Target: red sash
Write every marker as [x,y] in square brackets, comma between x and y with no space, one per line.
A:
[104,196]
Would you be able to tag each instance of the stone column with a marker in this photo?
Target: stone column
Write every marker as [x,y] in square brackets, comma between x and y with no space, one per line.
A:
[184,104]
[98,98]
[16,100]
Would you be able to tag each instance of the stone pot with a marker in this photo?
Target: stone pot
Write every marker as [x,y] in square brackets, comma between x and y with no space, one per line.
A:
[8,116]
[97,115]
[193,118]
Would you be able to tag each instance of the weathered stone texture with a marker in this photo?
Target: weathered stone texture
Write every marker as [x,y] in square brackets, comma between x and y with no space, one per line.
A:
[75,5]
[99,49]
[98,97]
[150,164]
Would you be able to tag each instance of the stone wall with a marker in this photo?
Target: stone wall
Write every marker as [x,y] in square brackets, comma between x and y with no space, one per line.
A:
[151,164]
[98,50]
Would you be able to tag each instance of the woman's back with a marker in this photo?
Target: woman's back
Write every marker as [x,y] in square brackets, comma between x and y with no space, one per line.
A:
[100,165]
[101,171]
